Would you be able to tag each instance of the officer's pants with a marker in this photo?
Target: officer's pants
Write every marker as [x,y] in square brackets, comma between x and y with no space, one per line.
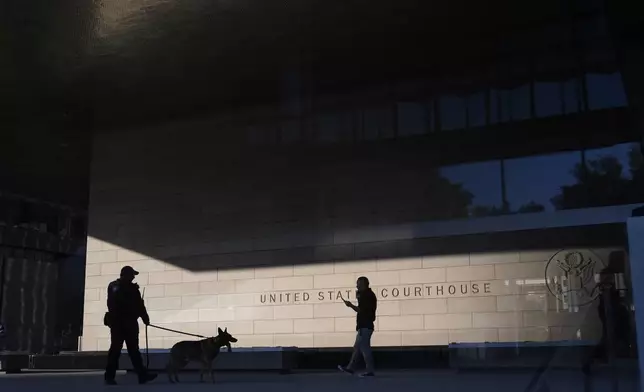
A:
[127,332]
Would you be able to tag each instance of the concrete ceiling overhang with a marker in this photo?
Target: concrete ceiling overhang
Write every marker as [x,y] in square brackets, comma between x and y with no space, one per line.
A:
[118,61]
[72,67]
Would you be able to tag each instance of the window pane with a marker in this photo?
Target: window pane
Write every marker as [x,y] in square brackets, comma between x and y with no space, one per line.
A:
[291,107]
[326,130]
[572,96]
[591,29]
[483,181]
[555,34]
[494,106]
[476,109]
[605,91]
[378,123]
[547,97]
[290,92]
[588,5]
[334,127]
[536,183]
[520,102]
[413,119]
[259,135]
[452,112]
[501,106]
[431,106]
[368,127]
[290,132]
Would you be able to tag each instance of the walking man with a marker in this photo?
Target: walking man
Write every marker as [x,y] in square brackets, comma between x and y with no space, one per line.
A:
[125,306]
[365,316]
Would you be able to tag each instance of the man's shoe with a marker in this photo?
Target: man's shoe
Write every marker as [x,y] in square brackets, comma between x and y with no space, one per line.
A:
[110,382]
[147,378]
[367,375]
[345,369]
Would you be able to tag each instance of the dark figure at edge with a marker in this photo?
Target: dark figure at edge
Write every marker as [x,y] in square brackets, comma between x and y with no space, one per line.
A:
[612,304]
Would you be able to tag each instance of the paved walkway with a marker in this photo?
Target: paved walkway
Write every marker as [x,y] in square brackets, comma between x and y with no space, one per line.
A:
[401,381]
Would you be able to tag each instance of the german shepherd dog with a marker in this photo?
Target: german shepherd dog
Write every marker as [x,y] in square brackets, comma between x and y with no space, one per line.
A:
[204,351]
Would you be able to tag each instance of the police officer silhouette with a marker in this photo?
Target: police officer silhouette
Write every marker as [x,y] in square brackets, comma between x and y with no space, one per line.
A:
[125,306]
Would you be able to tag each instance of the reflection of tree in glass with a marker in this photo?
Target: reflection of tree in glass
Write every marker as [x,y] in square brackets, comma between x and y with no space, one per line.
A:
[532,206]
[385,192]
[480,211]
[447,200]
[636,165]
[602,182]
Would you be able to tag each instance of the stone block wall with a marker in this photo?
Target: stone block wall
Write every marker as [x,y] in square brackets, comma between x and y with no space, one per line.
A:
[424,300]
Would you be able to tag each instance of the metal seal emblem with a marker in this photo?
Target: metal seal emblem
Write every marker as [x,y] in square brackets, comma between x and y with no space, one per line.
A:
[572,276]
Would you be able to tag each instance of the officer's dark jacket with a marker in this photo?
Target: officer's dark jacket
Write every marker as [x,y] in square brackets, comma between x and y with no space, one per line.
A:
[124,302]
[367,304]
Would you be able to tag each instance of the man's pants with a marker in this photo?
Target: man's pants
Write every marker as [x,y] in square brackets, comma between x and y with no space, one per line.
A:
[362,346]
[127,332]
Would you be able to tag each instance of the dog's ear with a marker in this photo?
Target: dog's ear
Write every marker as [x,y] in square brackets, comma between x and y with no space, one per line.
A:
[226,330]
[220,331]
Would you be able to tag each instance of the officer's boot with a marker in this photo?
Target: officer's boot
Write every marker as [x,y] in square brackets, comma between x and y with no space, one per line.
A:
[146,377]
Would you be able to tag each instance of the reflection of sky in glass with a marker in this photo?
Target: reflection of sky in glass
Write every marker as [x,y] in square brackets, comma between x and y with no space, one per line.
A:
[530,179]
[605,91]
[413,119]
[520,102]
[452,112]
[482,179]
[476,109]
[538,178]
[500,106]
[547,99]
[572,102]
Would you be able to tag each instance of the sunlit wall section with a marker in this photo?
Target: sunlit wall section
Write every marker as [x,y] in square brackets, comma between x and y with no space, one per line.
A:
[523,295]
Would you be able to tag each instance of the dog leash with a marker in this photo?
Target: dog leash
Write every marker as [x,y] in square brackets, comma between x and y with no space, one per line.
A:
[179,332]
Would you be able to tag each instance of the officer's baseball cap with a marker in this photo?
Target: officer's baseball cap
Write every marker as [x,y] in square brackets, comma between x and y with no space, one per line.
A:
[127,270]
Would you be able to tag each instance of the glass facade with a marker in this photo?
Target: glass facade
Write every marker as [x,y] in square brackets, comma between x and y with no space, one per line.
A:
[41,273]
[537,99]
[35,215]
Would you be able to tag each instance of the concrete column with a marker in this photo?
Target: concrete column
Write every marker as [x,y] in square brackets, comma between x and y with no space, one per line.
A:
[626,25]
[635,228]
